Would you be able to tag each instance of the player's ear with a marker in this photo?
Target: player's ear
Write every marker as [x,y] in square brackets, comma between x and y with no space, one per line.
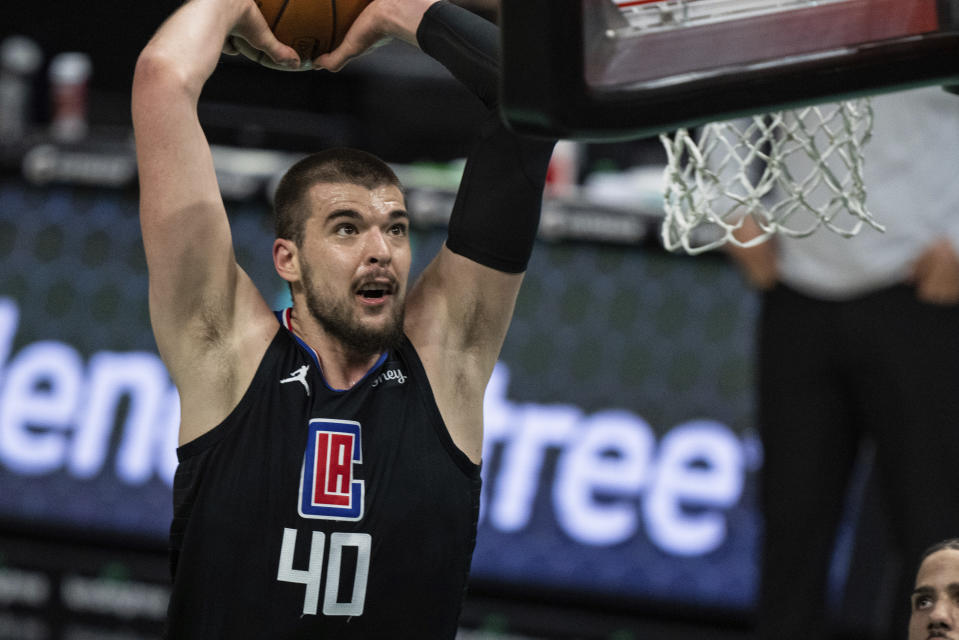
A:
[286,259]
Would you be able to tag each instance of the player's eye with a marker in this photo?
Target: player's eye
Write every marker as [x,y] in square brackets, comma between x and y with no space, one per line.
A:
[399,229]
[345,229]
[922,602]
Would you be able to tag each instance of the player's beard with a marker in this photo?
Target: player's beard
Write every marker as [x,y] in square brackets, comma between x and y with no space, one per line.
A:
[337,317]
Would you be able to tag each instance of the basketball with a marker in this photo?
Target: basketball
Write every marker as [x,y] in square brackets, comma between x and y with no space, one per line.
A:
[311,27]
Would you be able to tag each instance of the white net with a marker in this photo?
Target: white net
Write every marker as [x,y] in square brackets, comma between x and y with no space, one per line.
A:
[792,171]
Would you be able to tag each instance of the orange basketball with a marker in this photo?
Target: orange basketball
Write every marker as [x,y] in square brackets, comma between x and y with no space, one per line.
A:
[311,27]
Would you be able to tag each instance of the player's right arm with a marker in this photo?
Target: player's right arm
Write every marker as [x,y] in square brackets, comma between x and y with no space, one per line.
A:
[210,323]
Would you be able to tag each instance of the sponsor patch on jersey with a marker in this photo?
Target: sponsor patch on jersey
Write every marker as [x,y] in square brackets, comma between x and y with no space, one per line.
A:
[328,489]
[392,375]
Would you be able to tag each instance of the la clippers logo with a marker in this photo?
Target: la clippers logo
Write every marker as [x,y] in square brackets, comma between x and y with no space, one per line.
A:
[327,488]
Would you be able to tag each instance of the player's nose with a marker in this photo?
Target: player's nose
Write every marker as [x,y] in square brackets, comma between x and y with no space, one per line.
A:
[378,248]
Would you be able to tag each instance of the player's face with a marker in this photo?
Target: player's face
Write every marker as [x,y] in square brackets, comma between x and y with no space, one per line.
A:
[935,600]
[355,263]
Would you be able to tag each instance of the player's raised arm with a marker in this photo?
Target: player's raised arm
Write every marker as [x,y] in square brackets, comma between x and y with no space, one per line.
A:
[197,291]
[459,310]
[476,277]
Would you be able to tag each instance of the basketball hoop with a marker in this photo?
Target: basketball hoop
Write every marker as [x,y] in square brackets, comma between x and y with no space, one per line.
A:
[792,171]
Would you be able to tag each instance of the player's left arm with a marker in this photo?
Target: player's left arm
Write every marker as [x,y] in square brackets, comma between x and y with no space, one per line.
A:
[461,307]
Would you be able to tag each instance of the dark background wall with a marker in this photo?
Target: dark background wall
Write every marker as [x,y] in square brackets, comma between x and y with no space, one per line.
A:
[401,105]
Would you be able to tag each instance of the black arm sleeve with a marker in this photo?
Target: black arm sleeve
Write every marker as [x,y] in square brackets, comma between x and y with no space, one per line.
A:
[497,208]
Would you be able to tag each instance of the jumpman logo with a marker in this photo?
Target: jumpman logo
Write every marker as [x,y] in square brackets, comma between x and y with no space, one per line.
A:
[299,376]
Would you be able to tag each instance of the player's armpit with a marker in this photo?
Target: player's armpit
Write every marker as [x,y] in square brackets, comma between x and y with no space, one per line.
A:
[457,316]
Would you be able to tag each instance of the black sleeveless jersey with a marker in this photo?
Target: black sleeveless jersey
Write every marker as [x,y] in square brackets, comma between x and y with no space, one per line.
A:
[323,514]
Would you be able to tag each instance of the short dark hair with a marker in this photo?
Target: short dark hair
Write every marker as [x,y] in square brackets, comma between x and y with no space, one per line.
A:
[331,166]
[950,543]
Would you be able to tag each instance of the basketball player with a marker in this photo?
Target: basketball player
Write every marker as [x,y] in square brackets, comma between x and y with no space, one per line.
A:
[935,599]
[329,454]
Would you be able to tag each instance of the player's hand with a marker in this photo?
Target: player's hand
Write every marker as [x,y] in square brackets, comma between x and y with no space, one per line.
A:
[376,24]
[935,274]
[251,27]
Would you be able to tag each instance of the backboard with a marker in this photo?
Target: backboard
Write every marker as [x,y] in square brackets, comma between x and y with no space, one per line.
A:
[619,69]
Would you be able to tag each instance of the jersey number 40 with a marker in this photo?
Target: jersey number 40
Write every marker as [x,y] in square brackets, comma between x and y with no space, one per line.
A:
[314,575]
